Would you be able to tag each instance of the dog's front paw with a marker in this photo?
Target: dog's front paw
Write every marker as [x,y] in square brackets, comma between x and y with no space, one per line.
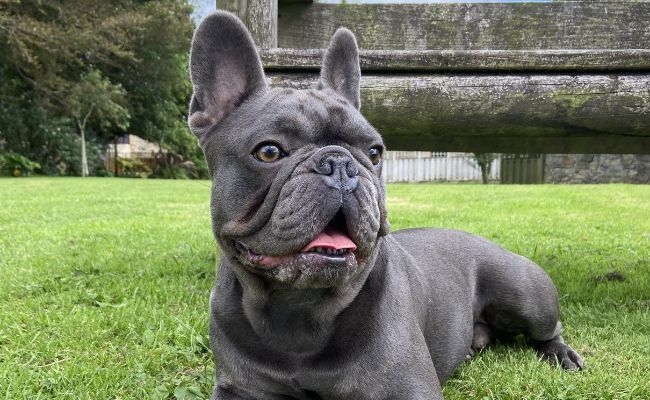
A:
[556,351]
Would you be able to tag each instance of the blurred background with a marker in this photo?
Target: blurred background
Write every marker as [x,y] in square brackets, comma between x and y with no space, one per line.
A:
[111,74]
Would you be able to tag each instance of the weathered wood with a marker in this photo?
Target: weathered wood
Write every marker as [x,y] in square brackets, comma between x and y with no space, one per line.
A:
[522,168]
[505,113]
[470,60]
[237,7]
[259,16]
[480,26]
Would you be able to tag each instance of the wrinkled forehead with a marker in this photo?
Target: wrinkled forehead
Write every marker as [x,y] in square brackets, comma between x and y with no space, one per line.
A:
[311,112]
[316,116]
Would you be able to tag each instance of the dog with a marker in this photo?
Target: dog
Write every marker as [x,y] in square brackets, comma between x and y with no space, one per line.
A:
[314,298]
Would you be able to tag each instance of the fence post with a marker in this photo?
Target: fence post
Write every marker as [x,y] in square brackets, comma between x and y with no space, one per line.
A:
[259,16]
[115,157]
[447,167]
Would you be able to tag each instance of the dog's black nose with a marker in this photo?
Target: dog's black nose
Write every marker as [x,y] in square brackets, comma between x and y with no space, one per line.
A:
[338,166]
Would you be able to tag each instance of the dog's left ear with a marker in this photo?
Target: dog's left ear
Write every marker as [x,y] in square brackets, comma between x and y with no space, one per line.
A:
[341,71]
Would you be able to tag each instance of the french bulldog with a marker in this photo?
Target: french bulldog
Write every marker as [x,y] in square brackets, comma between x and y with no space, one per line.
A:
[314,298]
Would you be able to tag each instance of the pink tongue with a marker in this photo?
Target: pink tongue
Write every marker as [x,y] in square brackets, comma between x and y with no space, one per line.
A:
[326,239]
[332,240]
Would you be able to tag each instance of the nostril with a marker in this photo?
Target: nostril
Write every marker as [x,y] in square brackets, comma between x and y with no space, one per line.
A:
[324,167]
[351,169]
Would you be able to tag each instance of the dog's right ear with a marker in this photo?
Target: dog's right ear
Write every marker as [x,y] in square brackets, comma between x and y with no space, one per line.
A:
[225,69]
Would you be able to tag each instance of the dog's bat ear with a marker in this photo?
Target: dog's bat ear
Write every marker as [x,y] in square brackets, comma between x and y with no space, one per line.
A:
[225,69]
[341,71]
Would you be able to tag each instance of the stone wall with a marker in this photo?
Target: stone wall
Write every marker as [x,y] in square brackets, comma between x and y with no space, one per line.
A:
[597,168]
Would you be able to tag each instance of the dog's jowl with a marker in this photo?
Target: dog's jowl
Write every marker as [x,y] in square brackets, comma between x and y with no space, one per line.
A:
[314,298]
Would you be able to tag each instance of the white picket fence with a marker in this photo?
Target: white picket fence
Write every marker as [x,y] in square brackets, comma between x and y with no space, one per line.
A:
[411,166]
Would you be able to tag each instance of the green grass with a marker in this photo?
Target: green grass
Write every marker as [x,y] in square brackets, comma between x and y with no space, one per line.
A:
[105,283]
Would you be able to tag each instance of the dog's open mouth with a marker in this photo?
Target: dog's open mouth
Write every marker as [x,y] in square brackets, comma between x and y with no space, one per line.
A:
[333,246]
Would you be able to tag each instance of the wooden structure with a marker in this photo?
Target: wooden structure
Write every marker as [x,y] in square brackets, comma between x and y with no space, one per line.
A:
[559,77]
[522,168]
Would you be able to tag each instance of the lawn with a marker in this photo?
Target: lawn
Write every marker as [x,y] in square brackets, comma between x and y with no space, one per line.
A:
[105,284]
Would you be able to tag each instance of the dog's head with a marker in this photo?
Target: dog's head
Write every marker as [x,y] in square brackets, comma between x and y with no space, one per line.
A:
[296,198]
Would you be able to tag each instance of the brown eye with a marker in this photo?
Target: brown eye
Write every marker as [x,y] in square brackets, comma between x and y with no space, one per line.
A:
[268,153]
[375,155]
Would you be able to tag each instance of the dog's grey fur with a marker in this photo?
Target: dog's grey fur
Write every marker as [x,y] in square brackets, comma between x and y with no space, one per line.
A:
[390,320]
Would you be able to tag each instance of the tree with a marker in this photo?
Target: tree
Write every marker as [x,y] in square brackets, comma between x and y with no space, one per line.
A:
[49,52]
[158,86]
[55,54]
[95,98]
[484,162]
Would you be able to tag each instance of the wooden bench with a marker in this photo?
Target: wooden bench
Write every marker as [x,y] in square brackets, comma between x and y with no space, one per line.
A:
[560,77]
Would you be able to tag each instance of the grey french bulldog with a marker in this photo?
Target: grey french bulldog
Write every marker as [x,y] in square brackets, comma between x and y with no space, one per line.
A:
[314,298]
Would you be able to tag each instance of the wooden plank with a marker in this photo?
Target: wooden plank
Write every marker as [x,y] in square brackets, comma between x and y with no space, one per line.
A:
[522,168]
[598,60]
[601,144]
[237,7]
[533,113]
[467,26]
[259,16]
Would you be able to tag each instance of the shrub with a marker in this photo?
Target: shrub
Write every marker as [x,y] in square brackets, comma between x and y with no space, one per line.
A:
[12,164]
[133,168]
[172,166]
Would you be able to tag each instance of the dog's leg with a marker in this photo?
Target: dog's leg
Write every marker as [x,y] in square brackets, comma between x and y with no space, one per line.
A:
[482,336]
[556,351]
[515,296]
[227,392]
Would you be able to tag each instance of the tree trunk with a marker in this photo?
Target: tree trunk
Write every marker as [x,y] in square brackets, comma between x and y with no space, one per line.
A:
[84,159]
[82,131]
[484,174]
[115,158]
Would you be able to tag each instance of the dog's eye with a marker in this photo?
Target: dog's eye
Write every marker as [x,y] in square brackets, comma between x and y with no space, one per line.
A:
[268,153]
[375,155]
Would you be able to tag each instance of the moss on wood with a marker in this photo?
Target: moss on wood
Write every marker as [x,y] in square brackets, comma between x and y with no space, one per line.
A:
[540,113]
[557,25]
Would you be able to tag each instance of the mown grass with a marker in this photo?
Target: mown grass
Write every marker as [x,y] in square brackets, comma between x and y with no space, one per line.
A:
[105,282]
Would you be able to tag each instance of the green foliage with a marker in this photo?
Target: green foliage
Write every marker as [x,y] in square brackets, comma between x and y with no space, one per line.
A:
[94,96]
[100,66]
[172,166]
[170,172]
[12,164]
[133,168]
[158,86]
[105,285]
[55,144]
[484,162]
